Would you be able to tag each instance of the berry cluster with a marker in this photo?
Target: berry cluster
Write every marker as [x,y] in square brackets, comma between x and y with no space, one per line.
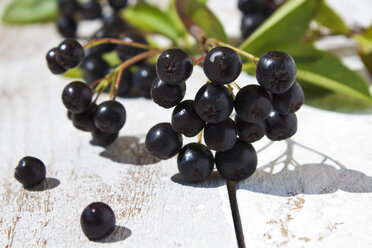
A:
[267,108]
[71,11]
[255,12]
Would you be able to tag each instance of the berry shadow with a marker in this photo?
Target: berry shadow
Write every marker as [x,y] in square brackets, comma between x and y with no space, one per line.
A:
[120,233]
[47,184]
[285,177]
[129,150]
[214,181]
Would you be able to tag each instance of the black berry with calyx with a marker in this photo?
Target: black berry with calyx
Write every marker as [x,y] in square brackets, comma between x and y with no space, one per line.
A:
[66,26]
[280,127]
[110,116]
[118,4]
[222,65]
[67,7]
[126,52]
[100,138]
[52,63]
[126,83]
[195,162]
[94,67]
[30,171]
[253,104]
[174,66]
[185,120]
[166,95]
[69,53]
[238,163]
[289,101]
[84,121]
[143,79]
[250,132]
[276,71]
[220,136]
[97,221]
[77,96]
[162,141]
[90,9]
[253,6]
[214,103]
[250,22]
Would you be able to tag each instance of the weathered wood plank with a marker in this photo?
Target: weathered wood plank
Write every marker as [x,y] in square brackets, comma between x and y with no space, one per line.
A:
[149,200]
[314,190]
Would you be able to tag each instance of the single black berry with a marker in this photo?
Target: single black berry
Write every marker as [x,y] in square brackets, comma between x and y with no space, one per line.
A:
[84,121]
[220,136]
[195,162]
[250,132]
[174,66]
[77,96]
[126,52]
[250,22]
[126,83]
[162,141]
[222,65]
[66,26]
[67,7]
[289,101]
[110,116]
[252,104]
[214,103]
[280,127]
[143,79]
[100,138]
[238,163]
[90,9]
[94,67]
[118,4]
[30,171]
[276,71]
[114,22]
[185,120]
[166,95]
[69,53]
[107,31]
[97,220]
[253,6]
[53,65]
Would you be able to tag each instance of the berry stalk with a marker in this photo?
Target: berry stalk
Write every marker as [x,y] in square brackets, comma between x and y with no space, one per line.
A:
[241,52]
[97,42]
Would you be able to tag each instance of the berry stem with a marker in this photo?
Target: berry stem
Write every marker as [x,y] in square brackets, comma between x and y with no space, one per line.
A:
[129,62]
[236,85]
[241,52]
[97,42]
[199,60]
[200,136]
[231,90]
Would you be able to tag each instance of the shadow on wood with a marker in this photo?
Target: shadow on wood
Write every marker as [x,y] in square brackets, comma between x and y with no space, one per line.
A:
[129,150]
[120,233]
[47,184]
[294,178]
[214,181]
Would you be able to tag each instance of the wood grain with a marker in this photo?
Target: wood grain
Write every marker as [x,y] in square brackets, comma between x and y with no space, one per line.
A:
[154,208]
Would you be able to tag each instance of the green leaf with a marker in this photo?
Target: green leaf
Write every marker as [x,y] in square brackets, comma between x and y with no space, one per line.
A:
[321,98]
[112,58]
[365,48]
[173,15]
[327,17]
[323,69]
[150,18]
[74,73]
[197,12]
[287,25]
[30,11]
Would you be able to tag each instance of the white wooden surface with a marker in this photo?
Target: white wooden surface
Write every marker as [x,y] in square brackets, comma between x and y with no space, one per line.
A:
[321,199]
